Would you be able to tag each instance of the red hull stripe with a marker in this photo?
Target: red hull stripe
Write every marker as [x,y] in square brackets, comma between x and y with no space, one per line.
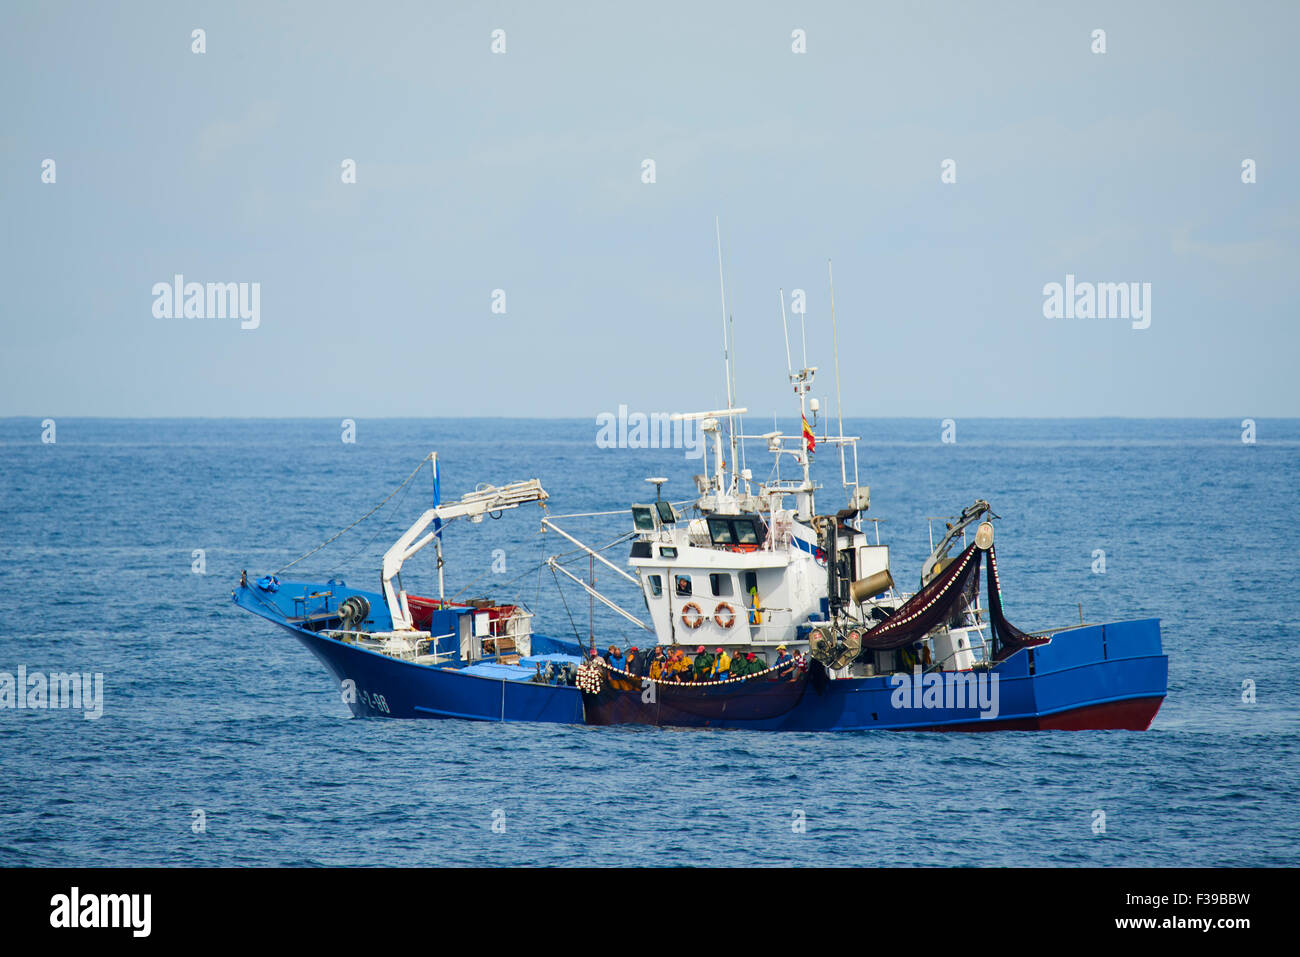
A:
[1135,714]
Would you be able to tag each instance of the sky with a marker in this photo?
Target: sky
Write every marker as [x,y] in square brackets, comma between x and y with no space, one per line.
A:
[524,171]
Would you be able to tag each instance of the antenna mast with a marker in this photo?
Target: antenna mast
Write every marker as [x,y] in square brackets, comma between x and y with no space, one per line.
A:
[835,344]
[726,350]
[785,329]
[803,332]
[739,426]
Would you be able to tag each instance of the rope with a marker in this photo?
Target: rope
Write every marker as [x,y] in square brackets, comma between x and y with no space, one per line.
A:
[356,523]
[701,684]
[576,637]
[366,546]
[541,550]
[253,590]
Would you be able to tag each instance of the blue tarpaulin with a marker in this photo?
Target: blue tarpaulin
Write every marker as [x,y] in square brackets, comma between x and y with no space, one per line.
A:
[559,659]
[490,669]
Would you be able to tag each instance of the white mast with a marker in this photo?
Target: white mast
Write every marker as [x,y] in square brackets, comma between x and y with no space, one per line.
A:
[802,382]
[737,427]
[785,329]
[726,351]
[835,344]
[803,332]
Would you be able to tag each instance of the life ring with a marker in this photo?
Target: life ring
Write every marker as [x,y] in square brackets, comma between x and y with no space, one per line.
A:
[695,622]
[731,615]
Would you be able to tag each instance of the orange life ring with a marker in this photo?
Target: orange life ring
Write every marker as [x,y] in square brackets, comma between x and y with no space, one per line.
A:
[697,620]
[731,615]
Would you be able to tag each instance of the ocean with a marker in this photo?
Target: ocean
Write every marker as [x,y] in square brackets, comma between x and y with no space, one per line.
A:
[223,742]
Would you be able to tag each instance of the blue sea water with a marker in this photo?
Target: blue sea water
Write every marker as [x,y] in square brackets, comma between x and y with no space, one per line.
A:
[208,709]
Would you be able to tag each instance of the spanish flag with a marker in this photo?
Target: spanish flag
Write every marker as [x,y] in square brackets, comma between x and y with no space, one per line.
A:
[808,436]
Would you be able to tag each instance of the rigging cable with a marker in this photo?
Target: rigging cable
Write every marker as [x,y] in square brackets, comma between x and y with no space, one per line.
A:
[576,636]
[358,521]
[371,540]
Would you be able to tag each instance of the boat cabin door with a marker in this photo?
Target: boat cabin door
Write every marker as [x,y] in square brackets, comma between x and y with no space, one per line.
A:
[474,627]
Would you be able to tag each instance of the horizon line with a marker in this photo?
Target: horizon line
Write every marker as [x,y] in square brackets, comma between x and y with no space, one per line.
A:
[577,418]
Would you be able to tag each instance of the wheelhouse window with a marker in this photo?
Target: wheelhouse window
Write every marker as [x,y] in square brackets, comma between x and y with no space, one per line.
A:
[683,585]
[720,532]
[643,518]
[720,585]
[740,530]
[656,585]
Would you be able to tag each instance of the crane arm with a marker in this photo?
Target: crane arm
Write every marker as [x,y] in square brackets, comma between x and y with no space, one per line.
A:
[472,505]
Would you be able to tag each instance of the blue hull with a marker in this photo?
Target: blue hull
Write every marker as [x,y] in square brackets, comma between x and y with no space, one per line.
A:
[1091,677]
[386,687]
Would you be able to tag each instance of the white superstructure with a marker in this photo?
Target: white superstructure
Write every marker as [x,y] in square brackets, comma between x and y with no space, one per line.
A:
[752,566]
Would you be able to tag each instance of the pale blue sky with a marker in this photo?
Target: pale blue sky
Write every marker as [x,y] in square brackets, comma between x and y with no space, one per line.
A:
[522,172]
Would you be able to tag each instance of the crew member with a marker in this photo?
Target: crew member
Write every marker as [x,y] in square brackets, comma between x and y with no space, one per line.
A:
[703,667]
[721,664]
[680,666]
[739,666]
[657,662]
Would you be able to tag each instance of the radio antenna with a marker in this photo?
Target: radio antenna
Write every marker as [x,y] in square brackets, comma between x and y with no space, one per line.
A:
[785,329]
[726,350]
[835,345]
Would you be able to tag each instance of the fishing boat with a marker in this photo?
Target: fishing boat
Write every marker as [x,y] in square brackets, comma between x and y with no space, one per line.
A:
[792,616]
[810,597]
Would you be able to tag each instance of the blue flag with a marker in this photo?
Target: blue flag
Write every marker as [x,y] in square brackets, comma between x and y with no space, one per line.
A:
[437,497]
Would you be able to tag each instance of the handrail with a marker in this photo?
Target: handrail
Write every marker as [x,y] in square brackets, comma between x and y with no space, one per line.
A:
[548,524]
[609,603]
